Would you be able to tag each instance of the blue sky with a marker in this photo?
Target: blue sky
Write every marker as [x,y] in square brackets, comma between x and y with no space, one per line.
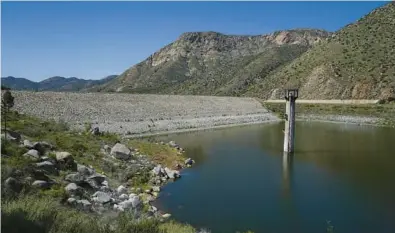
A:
[94,39]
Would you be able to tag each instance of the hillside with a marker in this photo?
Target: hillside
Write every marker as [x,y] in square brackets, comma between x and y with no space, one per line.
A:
[213,63]
[358,62]
[56,83]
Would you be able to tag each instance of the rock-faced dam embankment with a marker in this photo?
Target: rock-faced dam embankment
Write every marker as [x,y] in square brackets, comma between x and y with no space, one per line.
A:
[141,114]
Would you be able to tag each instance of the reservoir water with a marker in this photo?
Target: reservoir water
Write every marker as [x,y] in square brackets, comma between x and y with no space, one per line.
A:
[344,174]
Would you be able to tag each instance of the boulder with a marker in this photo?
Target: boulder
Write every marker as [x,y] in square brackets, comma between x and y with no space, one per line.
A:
[95,131]
[189,161]
[42,184]
[45,158]
[64,156]
[121,189]
[84,204]
[98,178]
[136,202]
[156,188]
[123,197]
[75,178]
[101,197]
[166,215]
[107,148]
[120,151]
[84,170]
[48,167]
[39,175]
[27,144]
[13,184]
[72,189]
[105,189]
[172,174]
[71,201]
[39,147]
[34,154]
[12,136]
[105,183]
[132,195]
[158,170]
[47,145]
[173,144]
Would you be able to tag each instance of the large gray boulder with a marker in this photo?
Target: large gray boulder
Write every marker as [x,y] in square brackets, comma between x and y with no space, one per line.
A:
[42,184]
[95,180]
[84,204]
[172,174]
[27,144]
[84,170]
[101,197]
[121,189]
[48,167]
[132,203]
[75,178]
[72,189]
[12,136]
[64,156]
[120,151]
[34,154]
[13,184]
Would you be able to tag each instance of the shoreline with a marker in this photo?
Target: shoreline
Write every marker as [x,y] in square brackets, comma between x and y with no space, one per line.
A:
[145,135]
[353,120]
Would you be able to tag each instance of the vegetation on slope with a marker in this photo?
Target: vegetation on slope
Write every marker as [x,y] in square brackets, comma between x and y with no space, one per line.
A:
[385,112]
[358,62]
[208,63]
[43,210]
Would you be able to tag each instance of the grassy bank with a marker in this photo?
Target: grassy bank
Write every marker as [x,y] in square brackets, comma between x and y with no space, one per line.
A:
[33,210]
[386,112]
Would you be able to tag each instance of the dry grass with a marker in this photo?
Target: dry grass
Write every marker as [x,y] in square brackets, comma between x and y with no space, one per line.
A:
[160,154]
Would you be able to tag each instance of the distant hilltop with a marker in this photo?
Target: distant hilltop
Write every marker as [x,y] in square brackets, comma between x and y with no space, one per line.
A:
[55,83]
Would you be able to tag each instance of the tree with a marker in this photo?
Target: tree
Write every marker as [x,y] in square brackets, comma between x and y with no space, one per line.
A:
[7,102]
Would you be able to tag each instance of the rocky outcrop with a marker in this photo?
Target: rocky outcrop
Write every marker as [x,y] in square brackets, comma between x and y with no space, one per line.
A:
[120,151]
[206,62]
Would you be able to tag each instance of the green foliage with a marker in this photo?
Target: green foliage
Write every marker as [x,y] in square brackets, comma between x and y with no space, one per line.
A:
[7,100]
[56,191]
[43,214]
[14,154]
[384,111]
[175,227]
[357,63]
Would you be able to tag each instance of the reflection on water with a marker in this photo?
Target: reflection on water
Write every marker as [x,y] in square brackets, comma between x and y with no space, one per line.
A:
[243,181]
[287,172]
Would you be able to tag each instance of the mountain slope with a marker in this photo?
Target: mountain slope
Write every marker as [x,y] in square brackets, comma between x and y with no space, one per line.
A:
[18,83]
[56,83]
[358,62]
[213,63]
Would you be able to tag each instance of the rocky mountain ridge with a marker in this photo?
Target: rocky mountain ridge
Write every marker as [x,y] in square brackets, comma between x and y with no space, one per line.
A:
[202,59]
[56,83]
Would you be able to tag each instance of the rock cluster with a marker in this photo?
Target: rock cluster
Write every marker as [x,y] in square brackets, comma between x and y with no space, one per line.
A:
[88,190]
